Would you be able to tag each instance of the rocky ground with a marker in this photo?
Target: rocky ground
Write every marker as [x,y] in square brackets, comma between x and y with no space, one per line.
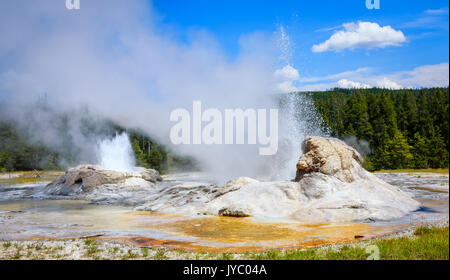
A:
[330,186]
[89,249]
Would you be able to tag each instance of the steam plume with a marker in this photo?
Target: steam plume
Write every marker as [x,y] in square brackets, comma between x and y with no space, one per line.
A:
[121,63]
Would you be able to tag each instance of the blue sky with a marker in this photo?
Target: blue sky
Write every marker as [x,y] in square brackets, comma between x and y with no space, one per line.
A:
[163,47]
[424,25]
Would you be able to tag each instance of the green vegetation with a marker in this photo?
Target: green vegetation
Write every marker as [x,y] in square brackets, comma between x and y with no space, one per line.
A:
[150,154]
[17,154]
[144,252]
[225,256]
[405,128]
[160,255]
[130,254]
[92,247]
[427,243]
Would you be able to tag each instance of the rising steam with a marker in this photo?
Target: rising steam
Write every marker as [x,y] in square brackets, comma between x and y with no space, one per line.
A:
[120,62]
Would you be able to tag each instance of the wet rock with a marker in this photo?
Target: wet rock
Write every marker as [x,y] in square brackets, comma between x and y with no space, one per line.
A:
[338,188]
[329,156]
[234,211]
[87,179]
[233,185]
[240,197]
[331,186]
[150,175]
[369,220]
[186,198]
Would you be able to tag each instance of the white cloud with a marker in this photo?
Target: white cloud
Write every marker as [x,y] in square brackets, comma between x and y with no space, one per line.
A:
[317,87]
[423,76]
[441,11]
[344,83]
[429,19]
[365,35]
[352,73]
[287,73]
[381,83]
[386,83]
[285,77]
[436,75]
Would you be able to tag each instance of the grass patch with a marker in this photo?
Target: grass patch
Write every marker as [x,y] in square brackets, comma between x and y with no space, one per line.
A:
[427,243]
[225,256]
[89,242]
[17,255]
[131,254]
[27,177]
[144,252]
[91,250]
[114,250]
[92,247]
[424,230]
[160,255]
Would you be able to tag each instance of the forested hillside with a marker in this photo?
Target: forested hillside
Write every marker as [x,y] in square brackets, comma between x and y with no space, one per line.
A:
[405,128]
[18,154]
[150,154]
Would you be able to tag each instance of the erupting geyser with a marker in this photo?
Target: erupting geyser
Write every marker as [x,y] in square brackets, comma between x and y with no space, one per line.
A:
[116,154]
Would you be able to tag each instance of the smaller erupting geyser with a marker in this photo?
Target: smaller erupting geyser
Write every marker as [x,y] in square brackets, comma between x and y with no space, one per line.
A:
[116,153]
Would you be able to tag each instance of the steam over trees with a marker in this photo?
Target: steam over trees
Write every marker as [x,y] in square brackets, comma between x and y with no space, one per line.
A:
[405,129]
[18,154]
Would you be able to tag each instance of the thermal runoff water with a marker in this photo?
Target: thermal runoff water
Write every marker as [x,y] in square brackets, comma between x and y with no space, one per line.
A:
[116,153]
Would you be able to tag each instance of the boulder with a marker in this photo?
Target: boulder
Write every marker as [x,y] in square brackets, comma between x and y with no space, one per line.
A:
[150,175]
[234,211]
[87,178]
[329,156]
[339,189]
[331,186]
